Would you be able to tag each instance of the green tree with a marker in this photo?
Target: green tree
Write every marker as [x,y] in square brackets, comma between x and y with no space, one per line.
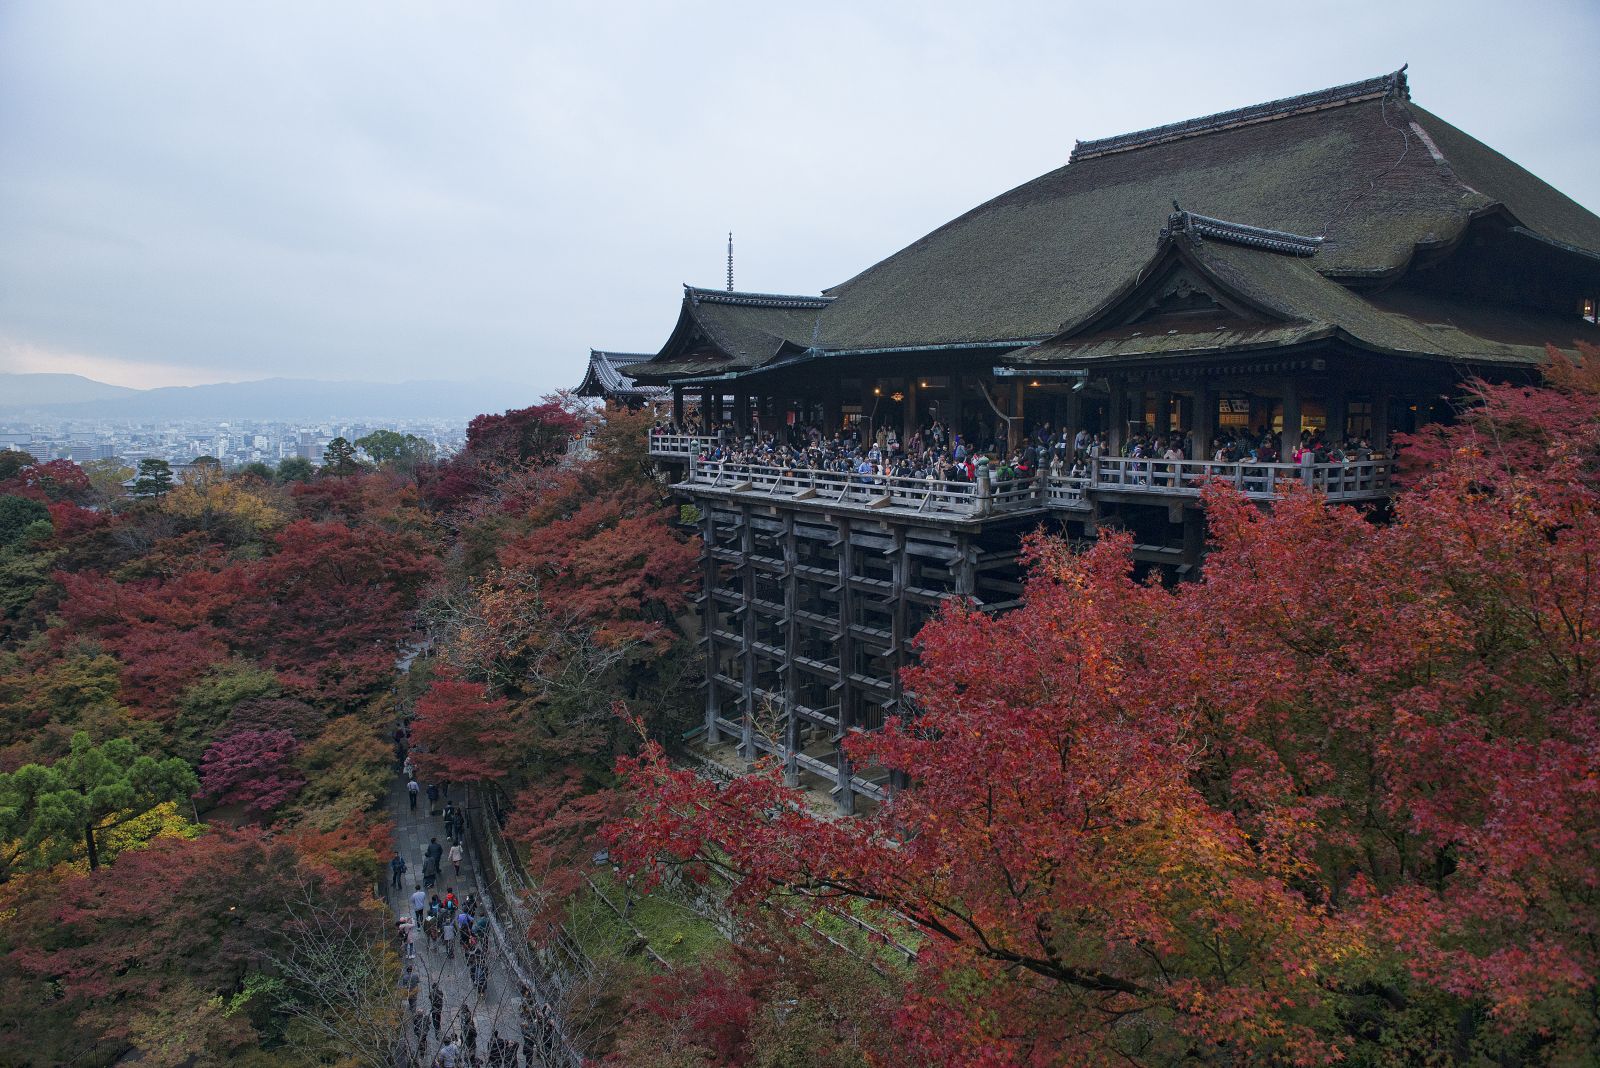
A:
[207,703]
[403,452]
[205,468]
[13,461]
[155,478]
[45,811]
[257,469]
[339,458]
[20,518]
[106,478]
[295,469]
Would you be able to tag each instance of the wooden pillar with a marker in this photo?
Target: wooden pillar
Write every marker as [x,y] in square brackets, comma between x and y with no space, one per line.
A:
[1291,420]
[1380,420]
[741,411]
[1205,421]
[965,567]
[710,408]
[1194,539]
[844,795]
[1117,416]
[677,405]
[1338,409]
[1071,417]
[908,421]
[955,408]
[898,630]
[791,644]
[832,416]
[747,632]
[1014,425]
[1163,424]
[708,620]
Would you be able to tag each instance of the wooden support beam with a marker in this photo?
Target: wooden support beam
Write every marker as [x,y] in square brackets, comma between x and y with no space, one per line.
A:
[791,643]
[1205,421]
[1291,420]
[844,794]
[899,632]
[747,742]
[708,565]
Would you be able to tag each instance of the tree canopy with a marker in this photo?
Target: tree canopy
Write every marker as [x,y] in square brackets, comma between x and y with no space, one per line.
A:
[1334,801]
[48,811]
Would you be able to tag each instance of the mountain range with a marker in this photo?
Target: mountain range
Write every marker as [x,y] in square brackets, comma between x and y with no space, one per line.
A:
[64,396]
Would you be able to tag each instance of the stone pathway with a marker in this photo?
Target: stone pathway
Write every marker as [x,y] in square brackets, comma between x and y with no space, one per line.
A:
[499,1007]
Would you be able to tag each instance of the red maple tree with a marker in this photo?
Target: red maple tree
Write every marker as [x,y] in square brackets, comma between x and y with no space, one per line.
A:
[1337,797]
[252,768]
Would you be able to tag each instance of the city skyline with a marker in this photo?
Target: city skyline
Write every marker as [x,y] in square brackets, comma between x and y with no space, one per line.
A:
[207,195]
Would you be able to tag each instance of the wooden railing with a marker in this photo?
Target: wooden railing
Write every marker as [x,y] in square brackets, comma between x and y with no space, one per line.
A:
[681,446]
[1067,492]
[924,496]
[1354,480]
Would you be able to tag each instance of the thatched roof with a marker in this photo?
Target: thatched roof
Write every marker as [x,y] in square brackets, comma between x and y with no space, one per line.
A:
[1376,178]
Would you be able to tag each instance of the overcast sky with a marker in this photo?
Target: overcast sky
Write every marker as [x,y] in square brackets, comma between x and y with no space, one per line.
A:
[199,192]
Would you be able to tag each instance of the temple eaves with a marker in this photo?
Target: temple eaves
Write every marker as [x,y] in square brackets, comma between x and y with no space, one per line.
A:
[1202,227]
[753,300]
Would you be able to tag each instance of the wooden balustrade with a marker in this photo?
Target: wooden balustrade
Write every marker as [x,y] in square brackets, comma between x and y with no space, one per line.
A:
[1349,481]
[680,446]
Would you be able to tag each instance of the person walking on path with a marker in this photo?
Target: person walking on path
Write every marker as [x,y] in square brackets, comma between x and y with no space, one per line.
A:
[436,1006]
[449,1055]
[411,791]
[419,1030]
[431,928]
[433,798]
[455,857]
[409,982]
[398,867]
[408,769]
[449,936]
[469,1032]
[449,822]
[435,851]
[419,902]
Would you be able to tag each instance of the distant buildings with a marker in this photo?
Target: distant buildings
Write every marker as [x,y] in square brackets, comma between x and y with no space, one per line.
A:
[235,443]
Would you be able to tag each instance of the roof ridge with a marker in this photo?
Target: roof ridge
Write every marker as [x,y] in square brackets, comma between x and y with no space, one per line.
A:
[1234,233]
[755,300]
[1336,96]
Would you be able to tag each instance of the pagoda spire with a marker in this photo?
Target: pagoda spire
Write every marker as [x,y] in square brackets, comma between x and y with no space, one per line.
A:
[730,261]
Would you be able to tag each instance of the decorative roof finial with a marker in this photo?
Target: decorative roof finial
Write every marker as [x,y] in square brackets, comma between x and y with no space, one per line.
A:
[730,261]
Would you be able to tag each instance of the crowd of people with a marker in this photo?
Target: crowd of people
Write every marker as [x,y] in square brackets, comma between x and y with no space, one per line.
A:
[440,923]
[936,452]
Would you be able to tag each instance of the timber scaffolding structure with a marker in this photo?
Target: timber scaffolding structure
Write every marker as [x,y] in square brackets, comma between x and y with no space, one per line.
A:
[1331,265]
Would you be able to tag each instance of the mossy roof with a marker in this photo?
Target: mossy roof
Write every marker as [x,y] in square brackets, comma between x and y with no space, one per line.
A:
[1286,301]
[1360,166]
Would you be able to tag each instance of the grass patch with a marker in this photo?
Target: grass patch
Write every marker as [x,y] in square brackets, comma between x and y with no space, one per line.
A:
[668,925]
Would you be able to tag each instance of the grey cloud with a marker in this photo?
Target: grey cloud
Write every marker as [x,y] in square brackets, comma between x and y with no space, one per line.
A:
[409,190]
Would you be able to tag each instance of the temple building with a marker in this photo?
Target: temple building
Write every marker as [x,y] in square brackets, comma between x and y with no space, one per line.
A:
[1306,276]
[602,380]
